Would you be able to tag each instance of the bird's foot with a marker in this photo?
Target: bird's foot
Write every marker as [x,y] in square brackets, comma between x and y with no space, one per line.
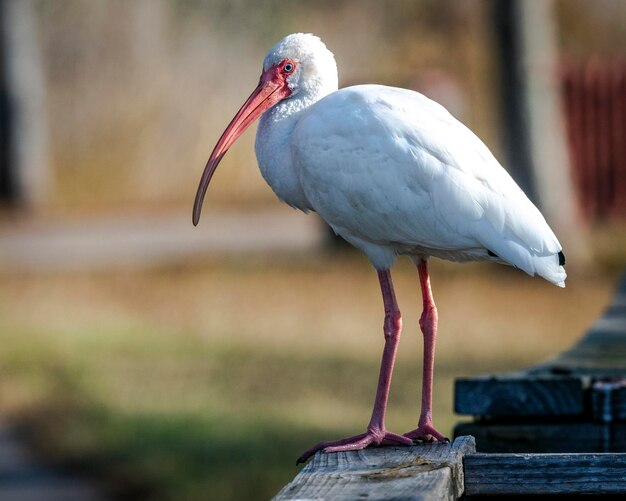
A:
[372,437]
[426,432]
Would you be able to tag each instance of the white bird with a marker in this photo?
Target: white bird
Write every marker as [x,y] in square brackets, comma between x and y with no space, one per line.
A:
[393,173]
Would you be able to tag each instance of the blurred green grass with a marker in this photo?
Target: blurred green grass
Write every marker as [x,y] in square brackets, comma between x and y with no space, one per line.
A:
[188,383]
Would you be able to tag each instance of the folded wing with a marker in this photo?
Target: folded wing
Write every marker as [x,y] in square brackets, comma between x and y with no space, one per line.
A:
[391,167]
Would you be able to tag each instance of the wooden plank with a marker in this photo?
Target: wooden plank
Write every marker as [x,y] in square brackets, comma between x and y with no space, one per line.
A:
[608,400]
[561,386]
[421,472]
[546,437]
[534,474]
[516,394]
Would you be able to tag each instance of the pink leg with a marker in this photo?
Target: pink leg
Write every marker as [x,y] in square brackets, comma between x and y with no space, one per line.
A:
[376,433]
[428,323]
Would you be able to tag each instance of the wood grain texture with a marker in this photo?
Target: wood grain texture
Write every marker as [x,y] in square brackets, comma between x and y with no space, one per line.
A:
[534,474]
[517,394]
[421,472]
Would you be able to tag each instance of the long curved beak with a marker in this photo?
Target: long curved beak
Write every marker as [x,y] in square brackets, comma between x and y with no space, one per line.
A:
[271,90]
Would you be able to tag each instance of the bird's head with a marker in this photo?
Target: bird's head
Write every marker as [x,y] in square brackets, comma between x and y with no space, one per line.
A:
[298,65]
[311,66]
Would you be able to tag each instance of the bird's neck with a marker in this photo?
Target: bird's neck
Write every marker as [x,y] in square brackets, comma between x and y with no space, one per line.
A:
[289,109]
[273,149]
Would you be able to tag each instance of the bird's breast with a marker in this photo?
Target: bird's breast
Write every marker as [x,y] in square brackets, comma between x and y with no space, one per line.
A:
[275,161]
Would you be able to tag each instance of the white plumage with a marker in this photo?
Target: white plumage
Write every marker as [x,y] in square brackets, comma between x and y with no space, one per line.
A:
[393,173]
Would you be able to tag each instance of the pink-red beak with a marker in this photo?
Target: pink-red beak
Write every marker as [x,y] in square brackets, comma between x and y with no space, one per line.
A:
[272,88]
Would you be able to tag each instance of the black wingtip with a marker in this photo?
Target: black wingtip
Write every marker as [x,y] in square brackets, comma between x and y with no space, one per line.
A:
[561,258]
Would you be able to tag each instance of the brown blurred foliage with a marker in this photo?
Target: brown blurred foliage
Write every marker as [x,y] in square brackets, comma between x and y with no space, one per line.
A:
[138,91]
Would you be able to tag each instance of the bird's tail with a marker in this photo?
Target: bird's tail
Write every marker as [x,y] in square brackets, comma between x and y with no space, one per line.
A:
[546,265]
[551,268]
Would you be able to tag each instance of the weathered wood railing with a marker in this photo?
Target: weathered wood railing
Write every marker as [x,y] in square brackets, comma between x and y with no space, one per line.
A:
[575,402]
[555,428]
[429,471]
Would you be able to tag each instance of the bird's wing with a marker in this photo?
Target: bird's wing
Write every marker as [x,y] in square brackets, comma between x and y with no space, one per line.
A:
[390,166]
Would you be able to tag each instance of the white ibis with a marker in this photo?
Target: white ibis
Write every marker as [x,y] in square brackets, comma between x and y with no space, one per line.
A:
[393,173]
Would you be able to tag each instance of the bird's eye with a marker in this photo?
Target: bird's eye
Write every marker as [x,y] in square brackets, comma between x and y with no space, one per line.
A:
[288,68]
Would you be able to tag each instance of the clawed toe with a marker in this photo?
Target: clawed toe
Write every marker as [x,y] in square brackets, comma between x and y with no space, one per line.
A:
[358,442]
[426,433]
[324,445]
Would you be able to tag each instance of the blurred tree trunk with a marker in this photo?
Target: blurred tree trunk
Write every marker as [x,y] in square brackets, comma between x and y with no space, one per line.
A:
[534,132]
[24,173]
[517,148]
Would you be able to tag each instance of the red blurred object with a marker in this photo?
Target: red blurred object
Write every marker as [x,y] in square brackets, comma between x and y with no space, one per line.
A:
[594,96]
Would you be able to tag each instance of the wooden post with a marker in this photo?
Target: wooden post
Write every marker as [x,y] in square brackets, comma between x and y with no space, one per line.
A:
[422,472]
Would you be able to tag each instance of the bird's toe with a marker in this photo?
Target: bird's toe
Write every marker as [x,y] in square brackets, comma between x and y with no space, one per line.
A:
[426,433]
[373,437]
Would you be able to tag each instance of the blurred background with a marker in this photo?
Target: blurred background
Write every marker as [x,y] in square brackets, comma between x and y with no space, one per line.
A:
[165,362]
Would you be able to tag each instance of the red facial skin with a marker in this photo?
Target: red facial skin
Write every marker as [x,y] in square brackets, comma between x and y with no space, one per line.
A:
[272,89]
